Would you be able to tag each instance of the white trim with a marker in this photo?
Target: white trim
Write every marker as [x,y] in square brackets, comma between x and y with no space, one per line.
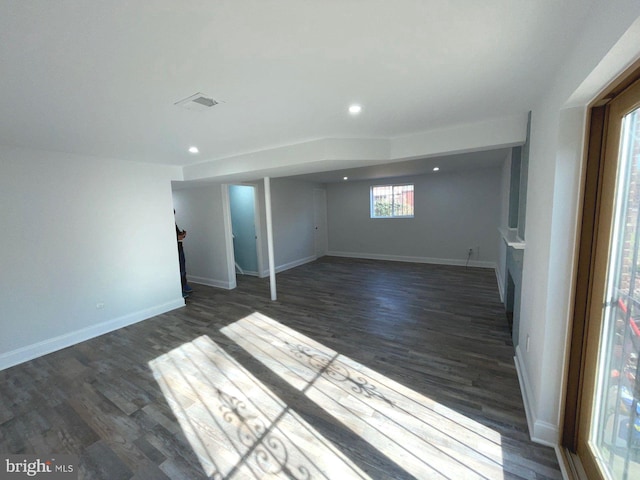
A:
[287,266]
[258,226]
[212,282]
[228,241]
[540,431]
[511,238]
[29,352]
[545,433]
[295,263]
[311,156]
[270,247]
[250,273]
[523,380]
[401,258]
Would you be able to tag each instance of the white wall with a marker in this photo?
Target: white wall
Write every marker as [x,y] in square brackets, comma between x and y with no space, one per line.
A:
[293,228]
[200,211]
[453,212]
[555,172]
[292,220]
[78,232]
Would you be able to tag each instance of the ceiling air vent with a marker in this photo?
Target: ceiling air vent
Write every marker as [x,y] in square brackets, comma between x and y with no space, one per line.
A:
[199,101]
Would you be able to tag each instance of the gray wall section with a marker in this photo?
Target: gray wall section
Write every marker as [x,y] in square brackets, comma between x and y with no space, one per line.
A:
[453,212]
[200,212]
[293,228]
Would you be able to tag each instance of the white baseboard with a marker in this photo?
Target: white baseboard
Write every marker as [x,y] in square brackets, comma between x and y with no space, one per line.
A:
[287,266]
[540,431]
[295,263]
[250,273]
[211,282]
[29,352]
[401,258]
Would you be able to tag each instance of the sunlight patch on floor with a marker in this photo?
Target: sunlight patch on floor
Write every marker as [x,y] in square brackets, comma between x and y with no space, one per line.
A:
[236,426]
[425,438]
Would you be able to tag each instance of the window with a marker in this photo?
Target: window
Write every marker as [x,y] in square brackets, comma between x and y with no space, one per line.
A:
[602,412]
[392,201]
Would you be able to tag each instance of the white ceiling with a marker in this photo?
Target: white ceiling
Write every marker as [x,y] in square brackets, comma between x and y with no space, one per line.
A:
[101,78]
[445,164]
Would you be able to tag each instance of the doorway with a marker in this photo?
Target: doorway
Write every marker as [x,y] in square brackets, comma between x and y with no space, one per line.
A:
[603,431]
[242,206]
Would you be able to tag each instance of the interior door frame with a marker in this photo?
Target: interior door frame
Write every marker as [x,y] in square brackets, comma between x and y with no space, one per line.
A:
[257,225]
[228,236]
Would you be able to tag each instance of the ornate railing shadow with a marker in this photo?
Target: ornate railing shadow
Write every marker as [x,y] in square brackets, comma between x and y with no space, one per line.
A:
[236,426]
[326,365]
[426,438]
[269,450]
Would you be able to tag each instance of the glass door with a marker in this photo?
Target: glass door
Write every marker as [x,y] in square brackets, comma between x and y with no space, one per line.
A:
[609,445]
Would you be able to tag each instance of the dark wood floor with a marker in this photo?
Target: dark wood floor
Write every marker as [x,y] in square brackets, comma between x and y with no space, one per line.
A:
[361,369]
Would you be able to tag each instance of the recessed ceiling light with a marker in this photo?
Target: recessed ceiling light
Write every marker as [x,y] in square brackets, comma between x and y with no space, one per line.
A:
[345,178]
[355,109]
[193,150]
[435,169]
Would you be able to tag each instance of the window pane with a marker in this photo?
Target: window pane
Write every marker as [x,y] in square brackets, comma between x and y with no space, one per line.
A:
[392,201]
[382,201]
[615,435]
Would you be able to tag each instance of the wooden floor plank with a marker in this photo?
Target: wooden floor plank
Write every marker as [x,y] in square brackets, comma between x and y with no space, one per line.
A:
[408,373]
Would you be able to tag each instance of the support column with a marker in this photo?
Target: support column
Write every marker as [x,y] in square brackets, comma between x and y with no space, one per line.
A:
[272,268]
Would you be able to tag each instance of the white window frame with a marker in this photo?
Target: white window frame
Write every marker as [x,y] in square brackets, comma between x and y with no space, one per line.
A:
[392,187]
